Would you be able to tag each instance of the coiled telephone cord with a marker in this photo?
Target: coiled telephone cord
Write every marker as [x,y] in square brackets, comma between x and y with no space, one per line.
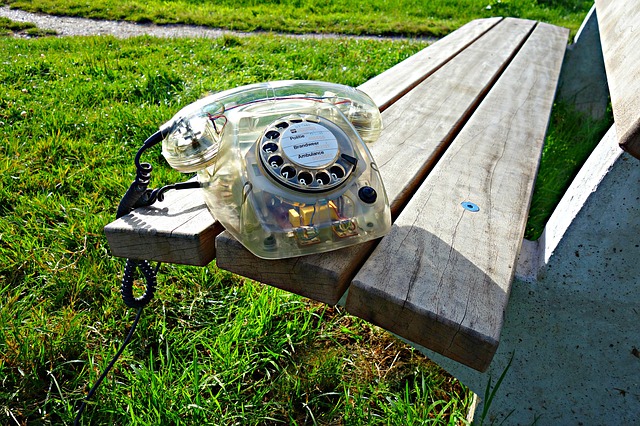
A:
[137,195]
[126,290]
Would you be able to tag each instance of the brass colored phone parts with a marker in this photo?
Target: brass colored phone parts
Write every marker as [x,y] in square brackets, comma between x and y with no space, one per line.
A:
[283,165]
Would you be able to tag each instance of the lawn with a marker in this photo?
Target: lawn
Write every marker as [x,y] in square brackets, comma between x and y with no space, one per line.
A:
[375,17]
[212,348]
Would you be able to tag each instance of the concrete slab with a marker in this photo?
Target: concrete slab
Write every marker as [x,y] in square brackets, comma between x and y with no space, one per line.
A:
[583,80]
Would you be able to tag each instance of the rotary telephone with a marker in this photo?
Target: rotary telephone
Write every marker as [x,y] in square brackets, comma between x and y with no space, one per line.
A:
[283,165]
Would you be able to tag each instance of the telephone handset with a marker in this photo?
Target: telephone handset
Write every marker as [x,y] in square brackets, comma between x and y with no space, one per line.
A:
[283,165]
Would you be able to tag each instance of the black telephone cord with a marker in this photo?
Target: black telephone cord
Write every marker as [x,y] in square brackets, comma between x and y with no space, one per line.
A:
[126,289]
[137,195]
[130,301]
[93,390]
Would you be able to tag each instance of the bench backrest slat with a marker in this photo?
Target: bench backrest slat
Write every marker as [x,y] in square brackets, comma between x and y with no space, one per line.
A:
[619,24]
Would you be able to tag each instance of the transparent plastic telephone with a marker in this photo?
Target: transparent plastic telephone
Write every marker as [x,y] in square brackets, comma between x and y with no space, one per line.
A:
[283,165]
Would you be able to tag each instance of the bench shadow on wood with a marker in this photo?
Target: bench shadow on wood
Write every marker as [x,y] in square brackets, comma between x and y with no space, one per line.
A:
[157,210]
[175,242]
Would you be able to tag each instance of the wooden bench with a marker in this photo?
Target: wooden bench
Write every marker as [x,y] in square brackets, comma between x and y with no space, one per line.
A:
[465,120]
[569,351]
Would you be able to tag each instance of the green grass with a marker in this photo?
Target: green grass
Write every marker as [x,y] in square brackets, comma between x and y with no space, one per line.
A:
[39,32]
[376,17]
[571,137]
[212,348]
[10,28]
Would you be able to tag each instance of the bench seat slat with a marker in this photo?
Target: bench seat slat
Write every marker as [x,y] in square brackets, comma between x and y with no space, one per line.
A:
[389,86]
[421,125]
[178,230]
[442,277]
[618,23]
[418,127]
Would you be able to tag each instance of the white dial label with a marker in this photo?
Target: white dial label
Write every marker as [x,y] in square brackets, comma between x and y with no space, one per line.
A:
[309,145]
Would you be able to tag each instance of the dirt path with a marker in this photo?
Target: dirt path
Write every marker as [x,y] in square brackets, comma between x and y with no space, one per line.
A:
[72,26]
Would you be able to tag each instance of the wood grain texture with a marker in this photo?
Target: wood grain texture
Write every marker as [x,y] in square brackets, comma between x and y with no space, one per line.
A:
[442,277]
[323,278]
[418,127]
[619,23]
[389,86]
[179,229]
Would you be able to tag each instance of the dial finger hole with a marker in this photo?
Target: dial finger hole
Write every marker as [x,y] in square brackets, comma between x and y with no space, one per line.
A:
[323,178]
[275,161]
[287,172]
[272,134]
[336,172]
[305,178]
[270,147]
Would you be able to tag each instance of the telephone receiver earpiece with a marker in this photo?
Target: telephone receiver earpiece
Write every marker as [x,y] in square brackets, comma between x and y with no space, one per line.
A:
[284,166]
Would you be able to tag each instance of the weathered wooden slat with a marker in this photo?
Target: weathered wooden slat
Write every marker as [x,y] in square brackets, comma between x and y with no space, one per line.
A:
[442,277]
[417,128]
[158,240]
[392,84]
[619,23]
[178,230]
[420,126]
